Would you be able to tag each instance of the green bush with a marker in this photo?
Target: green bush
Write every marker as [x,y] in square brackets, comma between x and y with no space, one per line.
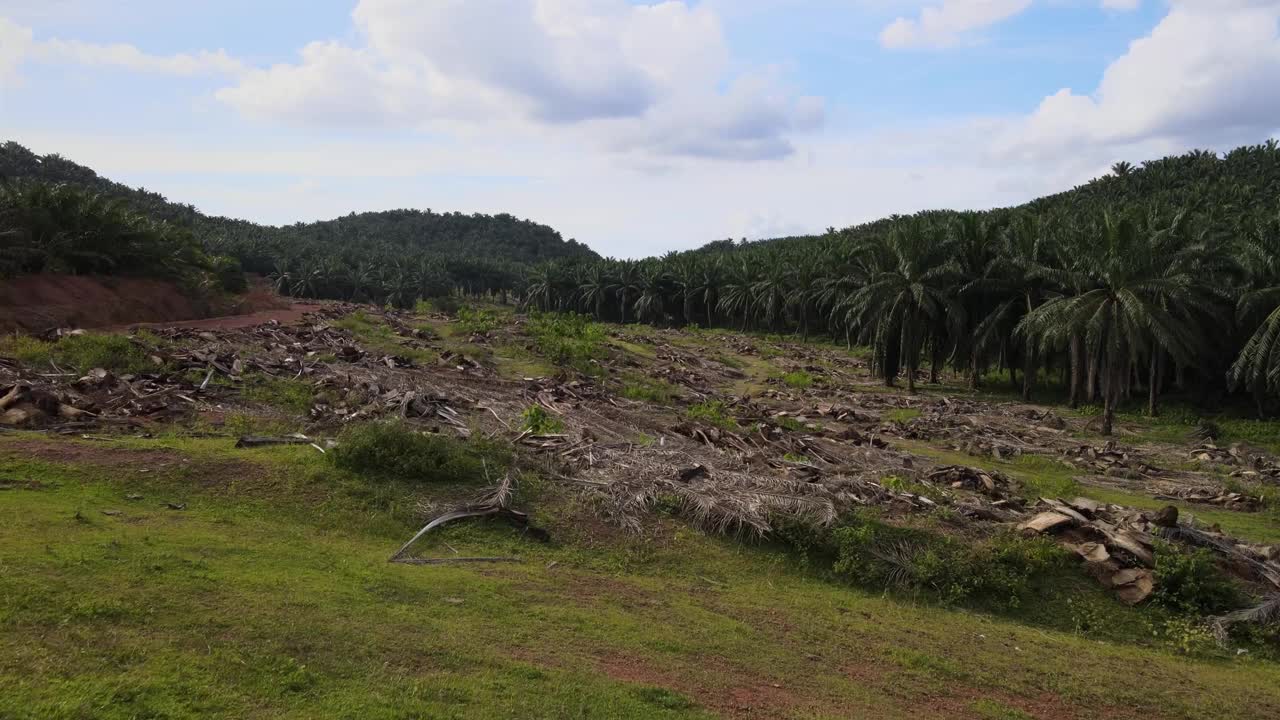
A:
[1190,582]
[393,450]
[569,340]
[799,379]
[472,321]
[998,572]
[538,421]
[712,412]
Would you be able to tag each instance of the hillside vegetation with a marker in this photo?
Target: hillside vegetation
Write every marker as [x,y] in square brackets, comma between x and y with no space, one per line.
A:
[395,256]
[1158,276]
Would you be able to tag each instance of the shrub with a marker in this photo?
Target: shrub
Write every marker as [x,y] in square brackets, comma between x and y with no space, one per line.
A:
[395,451]
[1000,571]
[712,412]
[799,379]
[538,421]
[447,304]
[649,390]
[1190,582]
[569,340]
[472,321]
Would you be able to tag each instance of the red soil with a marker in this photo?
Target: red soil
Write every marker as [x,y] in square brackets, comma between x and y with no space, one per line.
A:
[37,303]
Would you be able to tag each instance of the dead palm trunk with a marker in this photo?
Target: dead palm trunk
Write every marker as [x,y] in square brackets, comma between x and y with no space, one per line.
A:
[1153,383]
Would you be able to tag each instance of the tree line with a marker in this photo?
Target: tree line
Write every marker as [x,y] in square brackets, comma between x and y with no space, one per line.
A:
[1150,277]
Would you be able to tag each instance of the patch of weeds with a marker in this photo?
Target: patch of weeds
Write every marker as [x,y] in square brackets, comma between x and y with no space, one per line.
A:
[380,336]
[712,412]
[786,422]
[477,321]
[1047,477]
[538,421]
[663,698]
[798,379]
[645,440]
[1191,583]
[288,394]
[649,390]
[731,361]
[795,457]
[989,709]
[81,353]
[998,572]
[1188,636]
[569,340]
[902,415]
[394,450]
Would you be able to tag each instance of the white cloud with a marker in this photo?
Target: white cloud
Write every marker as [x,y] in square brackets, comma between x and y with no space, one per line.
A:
[131,58]
[1205,75]
[653,79]
[948,23]
[1121,4]
[18,45]
[15,43]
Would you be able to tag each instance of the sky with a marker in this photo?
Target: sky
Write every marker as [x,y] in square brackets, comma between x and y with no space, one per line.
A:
[634,127]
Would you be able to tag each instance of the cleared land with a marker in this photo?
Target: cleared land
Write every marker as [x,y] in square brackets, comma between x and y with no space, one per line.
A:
[148,568]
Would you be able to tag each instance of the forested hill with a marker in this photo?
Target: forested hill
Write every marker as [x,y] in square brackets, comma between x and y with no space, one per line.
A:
[1236,188]
[387,256]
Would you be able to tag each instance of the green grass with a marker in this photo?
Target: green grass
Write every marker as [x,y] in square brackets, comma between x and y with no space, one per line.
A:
[538,421]
[638,387]
[569,340]
[377,335]
[81,353]
[902,415]
[395,450]
[287,394]
[712,412]
[1047,477]
[798,379]
[273,599]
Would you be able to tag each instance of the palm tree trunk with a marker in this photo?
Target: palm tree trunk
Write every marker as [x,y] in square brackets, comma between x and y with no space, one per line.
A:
[973,370]
[1028,371]
[1153,383]
[1110,393]
[1077,371]
[1091,382]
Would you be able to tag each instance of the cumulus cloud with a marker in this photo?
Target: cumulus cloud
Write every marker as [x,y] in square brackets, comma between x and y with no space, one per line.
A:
[1205,75]
[947,24]
[636,78]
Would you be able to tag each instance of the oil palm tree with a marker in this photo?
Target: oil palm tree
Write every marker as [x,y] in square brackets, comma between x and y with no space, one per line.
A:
[913,285]
[1139,301]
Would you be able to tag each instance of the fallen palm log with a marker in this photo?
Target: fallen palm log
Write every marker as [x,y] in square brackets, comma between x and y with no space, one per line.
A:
[492,504]
[252,441]
[1265,614]
[451,560]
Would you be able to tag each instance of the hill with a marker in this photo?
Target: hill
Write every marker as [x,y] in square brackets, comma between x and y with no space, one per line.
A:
[393,256]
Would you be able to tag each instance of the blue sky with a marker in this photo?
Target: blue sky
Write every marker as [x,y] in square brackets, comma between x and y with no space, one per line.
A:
[636,127]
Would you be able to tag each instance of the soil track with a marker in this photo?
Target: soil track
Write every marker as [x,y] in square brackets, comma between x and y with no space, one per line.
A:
[285,316]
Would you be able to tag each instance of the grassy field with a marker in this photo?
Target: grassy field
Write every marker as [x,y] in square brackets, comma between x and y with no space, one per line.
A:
[269,596]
